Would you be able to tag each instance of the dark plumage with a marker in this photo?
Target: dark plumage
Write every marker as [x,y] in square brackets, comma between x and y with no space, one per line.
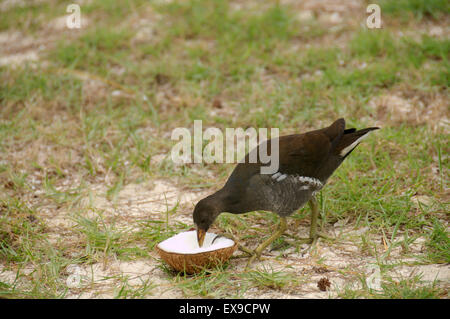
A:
[306,162]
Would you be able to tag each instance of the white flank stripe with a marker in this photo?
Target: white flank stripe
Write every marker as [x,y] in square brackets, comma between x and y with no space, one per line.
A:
[276,175]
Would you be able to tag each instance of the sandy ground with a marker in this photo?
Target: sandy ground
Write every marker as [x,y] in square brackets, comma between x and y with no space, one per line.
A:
[340,262]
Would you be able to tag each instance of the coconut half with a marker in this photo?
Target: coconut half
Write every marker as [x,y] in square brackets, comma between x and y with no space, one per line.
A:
[183,253]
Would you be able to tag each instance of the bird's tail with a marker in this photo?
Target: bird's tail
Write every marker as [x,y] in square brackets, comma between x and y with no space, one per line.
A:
[350,139]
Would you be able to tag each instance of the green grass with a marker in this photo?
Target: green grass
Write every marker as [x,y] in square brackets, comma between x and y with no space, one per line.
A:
[439,244]
[420,9]
[24,241]
[410,289]
[97,50]
[101,237]
[127,291]
[27,18]
[397,289]
[20,236]
[63,131]
[220,283]
[215,284]
[268,278]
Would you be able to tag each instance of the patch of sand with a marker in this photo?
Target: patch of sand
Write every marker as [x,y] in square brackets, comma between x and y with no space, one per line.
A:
[142,200]
[17,48]
[411,108]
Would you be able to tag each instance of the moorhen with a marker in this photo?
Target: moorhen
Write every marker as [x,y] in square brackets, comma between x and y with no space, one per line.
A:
[306,161]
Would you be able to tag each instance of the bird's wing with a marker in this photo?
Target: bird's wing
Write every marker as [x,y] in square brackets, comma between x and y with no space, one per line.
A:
[278,192]
[305,154]
[298,154]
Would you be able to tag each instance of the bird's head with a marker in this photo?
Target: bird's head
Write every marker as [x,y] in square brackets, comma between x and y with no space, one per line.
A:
[205,213]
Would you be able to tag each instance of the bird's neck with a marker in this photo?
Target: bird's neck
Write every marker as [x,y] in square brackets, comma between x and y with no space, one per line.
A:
[223,201]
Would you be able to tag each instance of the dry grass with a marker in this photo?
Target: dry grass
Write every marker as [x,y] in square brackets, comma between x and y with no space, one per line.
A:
[87,187]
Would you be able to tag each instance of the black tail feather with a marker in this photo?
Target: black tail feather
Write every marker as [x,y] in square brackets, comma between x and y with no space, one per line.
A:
[351,136]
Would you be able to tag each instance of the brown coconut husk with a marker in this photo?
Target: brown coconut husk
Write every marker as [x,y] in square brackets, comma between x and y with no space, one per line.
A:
[194,263]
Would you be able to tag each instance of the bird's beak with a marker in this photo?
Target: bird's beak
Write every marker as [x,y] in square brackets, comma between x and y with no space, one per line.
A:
[200,236]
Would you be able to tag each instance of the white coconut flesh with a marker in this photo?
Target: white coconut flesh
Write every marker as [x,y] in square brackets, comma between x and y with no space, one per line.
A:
[186,243]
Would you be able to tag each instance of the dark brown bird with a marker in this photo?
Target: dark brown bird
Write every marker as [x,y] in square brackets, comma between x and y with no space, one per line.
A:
[306,161]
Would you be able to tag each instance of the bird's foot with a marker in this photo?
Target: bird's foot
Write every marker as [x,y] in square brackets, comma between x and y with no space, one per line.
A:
[312,241]
[281,245]
[253,257]
[257,254]
[250,261]
[246,252]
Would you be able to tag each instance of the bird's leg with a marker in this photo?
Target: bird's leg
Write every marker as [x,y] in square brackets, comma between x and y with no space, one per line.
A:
[313,233]
[314,216]
[257,252]
[247,251]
